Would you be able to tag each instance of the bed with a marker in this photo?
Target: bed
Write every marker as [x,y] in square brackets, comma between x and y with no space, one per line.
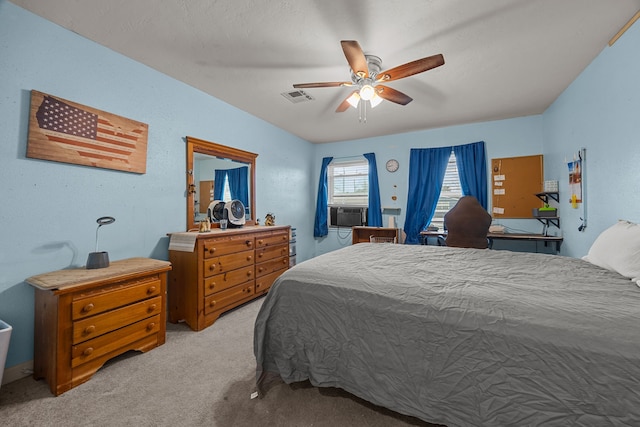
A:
[462,337]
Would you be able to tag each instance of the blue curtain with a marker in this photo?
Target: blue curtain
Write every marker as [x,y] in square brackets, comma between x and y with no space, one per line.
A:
[320,227]
[374,212]
[238,184]
[426,174]
[472,170]
[218,184]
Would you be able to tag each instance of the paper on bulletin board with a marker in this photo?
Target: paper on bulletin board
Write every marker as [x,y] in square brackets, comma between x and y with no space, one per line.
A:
[498,211]
[499,191]
[498,178]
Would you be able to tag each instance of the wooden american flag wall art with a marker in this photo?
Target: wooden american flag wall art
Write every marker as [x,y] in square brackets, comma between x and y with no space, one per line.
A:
[64,131]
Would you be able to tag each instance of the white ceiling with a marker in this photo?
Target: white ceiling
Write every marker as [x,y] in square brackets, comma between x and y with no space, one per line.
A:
[504,58]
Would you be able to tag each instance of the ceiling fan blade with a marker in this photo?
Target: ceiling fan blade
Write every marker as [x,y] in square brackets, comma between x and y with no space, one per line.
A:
[344,106]
[323,84]
[411,68]
[390,94]
[355,57]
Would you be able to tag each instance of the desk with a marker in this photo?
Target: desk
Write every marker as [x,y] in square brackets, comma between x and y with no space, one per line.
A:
[501,236]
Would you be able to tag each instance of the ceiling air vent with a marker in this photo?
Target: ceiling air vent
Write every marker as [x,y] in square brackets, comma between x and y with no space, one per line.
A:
[297,96]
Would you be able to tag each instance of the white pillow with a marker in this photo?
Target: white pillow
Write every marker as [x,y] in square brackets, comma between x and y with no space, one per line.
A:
[618,249]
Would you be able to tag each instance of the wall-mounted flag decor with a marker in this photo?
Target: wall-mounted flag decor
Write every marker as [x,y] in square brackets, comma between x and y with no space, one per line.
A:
[64,131]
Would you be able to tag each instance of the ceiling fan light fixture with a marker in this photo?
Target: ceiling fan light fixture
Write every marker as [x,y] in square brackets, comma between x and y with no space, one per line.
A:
[354,99]
[367,92]
[375,100]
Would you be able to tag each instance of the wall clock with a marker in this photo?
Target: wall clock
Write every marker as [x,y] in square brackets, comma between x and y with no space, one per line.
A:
[392,165]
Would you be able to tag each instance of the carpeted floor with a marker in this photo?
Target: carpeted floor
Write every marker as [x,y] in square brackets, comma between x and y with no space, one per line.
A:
[195,379]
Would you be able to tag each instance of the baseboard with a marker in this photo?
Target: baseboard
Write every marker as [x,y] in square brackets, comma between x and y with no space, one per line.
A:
[17,372]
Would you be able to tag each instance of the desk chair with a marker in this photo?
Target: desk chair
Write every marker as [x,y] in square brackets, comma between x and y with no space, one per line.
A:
[467,224]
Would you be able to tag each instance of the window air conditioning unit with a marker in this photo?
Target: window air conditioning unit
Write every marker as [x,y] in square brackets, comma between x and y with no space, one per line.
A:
[345,216]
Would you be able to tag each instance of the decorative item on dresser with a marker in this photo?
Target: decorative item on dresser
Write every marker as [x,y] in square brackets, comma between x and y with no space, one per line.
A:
[222,270]
[85,317]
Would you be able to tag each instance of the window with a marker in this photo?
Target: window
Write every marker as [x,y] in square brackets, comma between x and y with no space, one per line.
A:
[450,194]
[348,183]
[226,193]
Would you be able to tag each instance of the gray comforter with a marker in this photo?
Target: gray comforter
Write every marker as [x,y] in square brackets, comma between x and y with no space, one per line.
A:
[463,337]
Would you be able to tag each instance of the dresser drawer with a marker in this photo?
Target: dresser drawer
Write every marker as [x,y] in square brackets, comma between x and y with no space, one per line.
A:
[271,252]
[272,266]
[105,344]
[100,324]
[223,281]
[264,283]
[220,300]
[271,239]
[226,263]
[111,297]
[226,245]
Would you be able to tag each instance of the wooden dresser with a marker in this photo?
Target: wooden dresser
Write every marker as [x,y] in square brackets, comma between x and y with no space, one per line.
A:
[85,317]
[225,269]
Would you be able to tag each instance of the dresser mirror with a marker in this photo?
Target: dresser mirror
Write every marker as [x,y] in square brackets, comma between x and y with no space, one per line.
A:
[203,158]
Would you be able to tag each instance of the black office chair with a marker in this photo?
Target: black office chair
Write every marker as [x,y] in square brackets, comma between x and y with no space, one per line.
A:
[467,224]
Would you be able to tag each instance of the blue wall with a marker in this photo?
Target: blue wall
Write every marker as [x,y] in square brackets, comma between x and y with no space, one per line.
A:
[49,209]
[504,138]
[599,111]
[48,214]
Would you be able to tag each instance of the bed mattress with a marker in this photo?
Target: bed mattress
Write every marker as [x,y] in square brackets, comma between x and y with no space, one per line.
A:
[462,337]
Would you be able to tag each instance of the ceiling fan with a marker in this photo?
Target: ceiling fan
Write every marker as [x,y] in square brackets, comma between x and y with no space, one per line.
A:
[366,77]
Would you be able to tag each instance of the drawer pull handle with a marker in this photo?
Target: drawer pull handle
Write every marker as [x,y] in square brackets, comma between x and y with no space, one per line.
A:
[87,351]
[212,286]
[284,261]
[87,308]
[212,267]
[249,257]
[89,329]
[260,270]
[212,303]
[151,308]
[249,272]
[249,243]
[211,250]
[150,326]
[151,290]
[260,242]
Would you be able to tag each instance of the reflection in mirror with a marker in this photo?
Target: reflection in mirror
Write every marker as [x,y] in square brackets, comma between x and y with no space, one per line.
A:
[217,172]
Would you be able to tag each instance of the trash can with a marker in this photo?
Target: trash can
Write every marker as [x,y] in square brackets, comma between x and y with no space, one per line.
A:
[5,334]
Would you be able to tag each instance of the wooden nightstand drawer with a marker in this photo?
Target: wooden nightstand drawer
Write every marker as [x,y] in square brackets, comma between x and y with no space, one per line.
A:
[272,266]
[220,300]
[113,297]
[223,281]
[271,252]
[226,245]
[226,263]
[100,324]
[105,344]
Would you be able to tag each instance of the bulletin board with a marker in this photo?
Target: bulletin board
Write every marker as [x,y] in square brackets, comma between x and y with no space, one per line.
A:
[515,181]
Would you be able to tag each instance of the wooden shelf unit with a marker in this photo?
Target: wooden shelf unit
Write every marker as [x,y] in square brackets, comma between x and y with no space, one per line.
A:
[363,234]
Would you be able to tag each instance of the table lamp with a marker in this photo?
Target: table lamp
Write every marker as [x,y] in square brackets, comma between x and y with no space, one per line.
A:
[99,259]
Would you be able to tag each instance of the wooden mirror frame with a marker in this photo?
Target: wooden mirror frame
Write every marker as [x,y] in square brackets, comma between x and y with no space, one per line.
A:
[195,145]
